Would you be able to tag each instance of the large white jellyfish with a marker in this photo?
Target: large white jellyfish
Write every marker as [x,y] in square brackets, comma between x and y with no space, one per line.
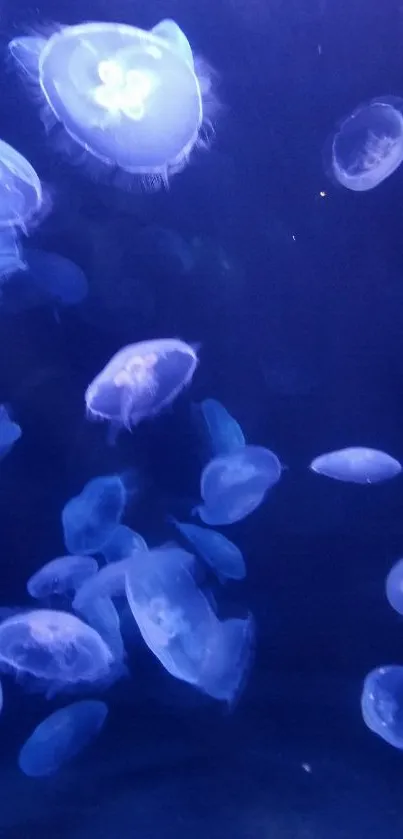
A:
[61,736]
[368,145]
[21,195]
[140,380]
[132,99]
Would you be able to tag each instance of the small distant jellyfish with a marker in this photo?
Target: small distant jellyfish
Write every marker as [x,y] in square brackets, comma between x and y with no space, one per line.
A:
[394,587]
[53,646]
[140,381]
[90,518]
[123,542]
[10,432]
[62,736]
[357,465]
[216,550]
[11,259]
[130,99]
[21,195]
[368,145]
[224,432]
[56,278]
[61,576]
[234,485]
[382,703]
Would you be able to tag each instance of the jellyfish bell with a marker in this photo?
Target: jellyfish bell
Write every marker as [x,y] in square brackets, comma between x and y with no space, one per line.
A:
[130,100]
[21,194]
[367,146]
[140,381]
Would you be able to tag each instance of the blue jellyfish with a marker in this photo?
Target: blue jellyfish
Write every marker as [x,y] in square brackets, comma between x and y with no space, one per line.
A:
[56,278]
[93,603]
[179,626]
[357,465]
[394,587]
[368,145]
[90,518]
[11,259]
[53,646]
[224,432]
[21,195]
[122,543]
[216,550]
[140,380]
[1,697]
[62,575]
[62,736]
[10,432]
[234,485]
[129,98]
[382,703]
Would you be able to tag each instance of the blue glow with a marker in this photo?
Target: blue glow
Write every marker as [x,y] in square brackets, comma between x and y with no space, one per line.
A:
[357,465]
[218,552]
[382,703]
[62,575]
[21,194]
[90,518]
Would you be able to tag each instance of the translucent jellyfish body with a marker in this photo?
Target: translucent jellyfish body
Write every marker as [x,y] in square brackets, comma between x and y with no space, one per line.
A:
[128,97]
[180,627]
[216,550]
[140,380]
[368,145]
[123,542]
[224,433]
[61,736]
[90,518]
[54,646]
[11,259]
[357,465]
[21,194]
[394,587]
[233,486]
[56,278]
[382,703]
[93,603]
[62,575]
[10,432]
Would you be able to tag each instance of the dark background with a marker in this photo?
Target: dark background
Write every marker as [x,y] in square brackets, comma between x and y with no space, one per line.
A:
[302,340]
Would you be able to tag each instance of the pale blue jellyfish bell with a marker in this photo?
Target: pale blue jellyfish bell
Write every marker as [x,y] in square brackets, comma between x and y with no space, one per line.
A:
[382,703]
[61,576]
[21,194]
[394,587]
[122,544]
[223,556]
[129,98]
[90,518]
[368,145]
[224,433]
[358,465]
[140,381]
[11,258]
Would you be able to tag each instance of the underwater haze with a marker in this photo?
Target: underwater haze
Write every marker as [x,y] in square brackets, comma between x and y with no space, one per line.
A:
[201,419]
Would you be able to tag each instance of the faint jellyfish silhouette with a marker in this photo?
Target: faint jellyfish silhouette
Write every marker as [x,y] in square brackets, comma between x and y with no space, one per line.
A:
[62,575]
[95,606]
[382,703]
[216,550]
[394,587]
[57,279]
[368,145]
[357,465]
[11,259]
[140,381]
[62,736]
[122,543]
[130,99]
[21,195]
[90,518]
[224,433]
[53,646]
[10,432]
[1,697]
[234,485]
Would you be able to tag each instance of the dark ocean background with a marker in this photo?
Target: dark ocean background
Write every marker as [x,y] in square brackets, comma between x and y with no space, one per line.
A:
[301,338]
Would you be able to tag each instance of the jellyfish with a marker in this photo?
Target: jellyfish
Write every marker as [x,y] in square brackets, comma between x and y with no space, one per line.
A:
[122,543]
[394,587]
[382,703]
[21,195]
[357,465]
[11,259]
[62,736]
[132,100]
[368,145]
[90,518]
[56,278]
[95,606]
[62,575]
[216,550]
[234,485]
[224,432]
[140,381]
[55,647]
[180,627]
[10,432]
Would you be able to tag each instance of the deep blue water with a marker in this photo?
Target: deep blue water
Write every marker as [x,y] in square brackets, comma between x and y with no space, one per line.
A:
[302,340]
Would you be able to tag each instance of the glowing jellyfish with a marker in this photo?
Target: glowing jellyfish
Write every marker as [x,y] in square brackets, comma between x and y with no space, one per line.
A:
[382,703]
[223,556]
[53,646]
[368,145]
[132,99]
[90,518]
[122,543]
[394,586]
[56,278]
[11,259]
[10,432]
[21,194]
[140,380]
[357,465]
[234,485]
[95,606]
[62,736]
[225,433]
[62,575]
